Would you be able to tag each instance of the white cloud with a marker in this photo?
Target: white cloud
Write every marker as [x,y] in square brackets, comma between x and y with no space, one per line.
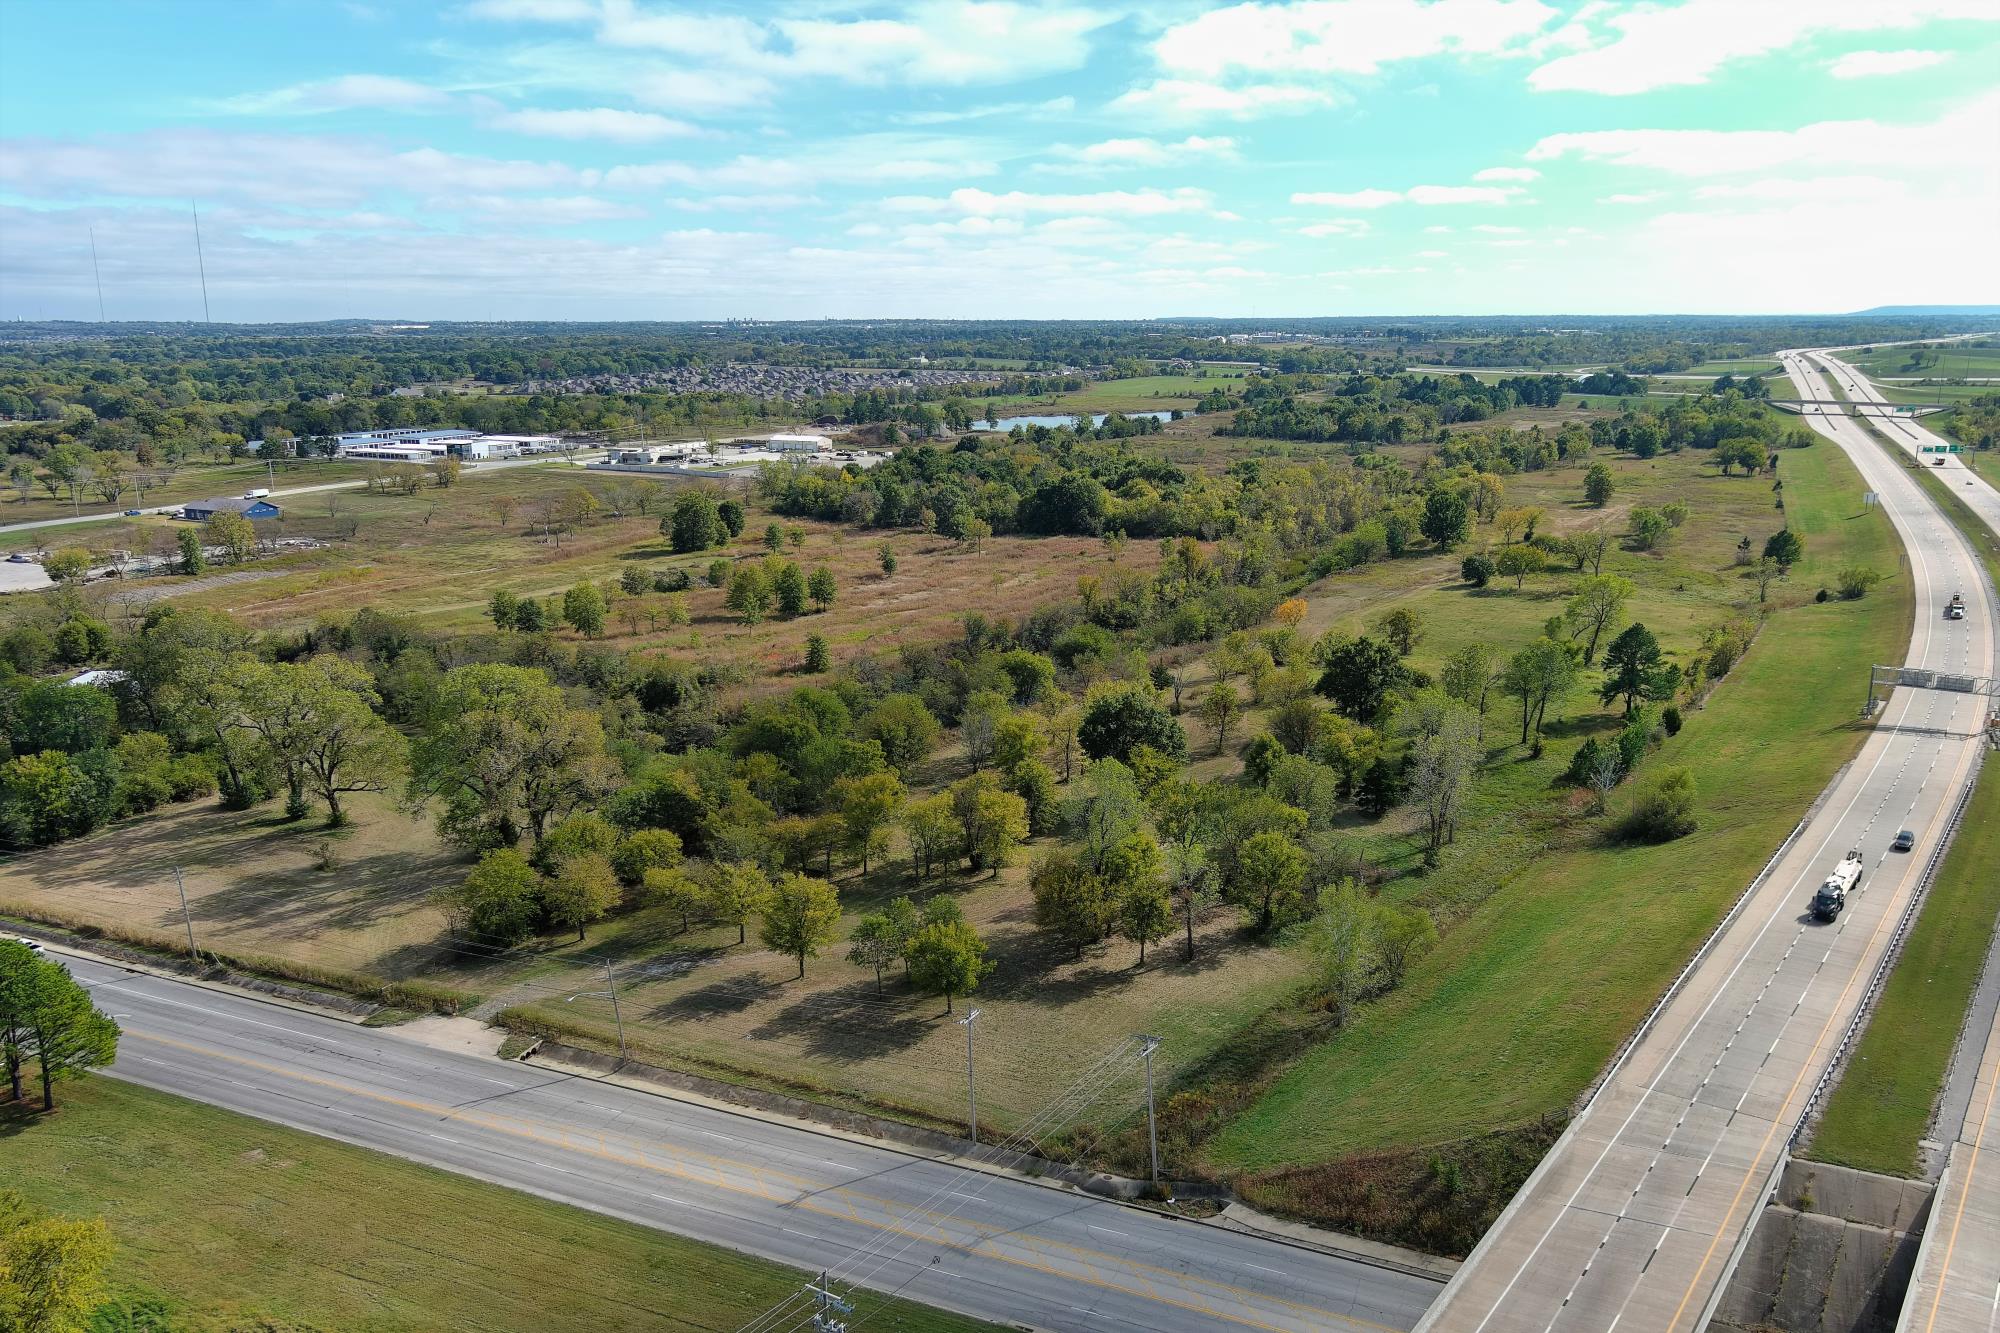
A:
[1180,100]
[1636,197]
[1433,254]
[972,41]
[1870,64]
[1349,199]
[374,92]
[1514,174]
[1020,203]
[698,90]
[1334,227]
[550,211]
[1144,152]
[594,123]
[1054,106]
[1343,36]
[1836,144]
[1648,46]
[873,159]
[1491,230]
[1426,195]
[533,11]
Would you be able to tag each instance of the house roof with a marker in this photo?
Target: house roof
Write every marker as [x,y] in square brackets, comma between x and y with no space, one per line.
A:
[232,504]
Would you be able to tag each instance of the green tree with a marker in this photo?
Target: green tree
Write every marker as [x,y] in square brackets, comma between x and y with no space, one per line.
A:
[994,821]
[733,517]
[774,538]
[749,594]
[1598,485]
[193,559]
[886,557]
[694,523]
[643,851]
[47,797]
[583,608]
[1218,708]
[819,658]
[69,565]
[505,752]
[1539,676]
[947,958]
[936,837]
[904,728]
[582,890]
[1786,547]
[1358,676]
[1270,878]
[736,893]
[1145,913]
[1630,666]
[59,1026]
[801,916]
[822,588]
[1073,902]
[676,892]
[718,573]
[1402,936]
[1478,569]
[1117,720]
[497,902]
[634,581]
[1446,520]
[1341,938]
[502,608]
[1594,607]
[316,720]
[868,805]
[1517,562]
[788,587]
[1649,527]
[880,938]
[233,533]
[51,1269]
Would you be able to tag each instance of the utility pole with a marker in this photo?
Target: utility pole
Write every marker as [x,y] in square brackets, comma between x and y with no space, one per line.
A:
[611,990]
[826,1305]
[186,915]
[97,275]
[971,1101]
[200,263]
[1152,1128]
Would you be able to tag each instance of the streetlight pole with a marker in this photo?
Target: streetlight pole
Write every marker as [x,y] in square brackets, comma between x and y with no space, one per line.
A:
[611,990]
[1152,1128]
[971,1101]
[186,916]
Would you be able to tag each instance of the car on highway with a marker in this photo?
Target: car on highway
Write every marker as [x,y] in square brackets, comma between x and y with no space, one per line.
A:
[1904,841]
[132,513]
[32,946]
[18,559]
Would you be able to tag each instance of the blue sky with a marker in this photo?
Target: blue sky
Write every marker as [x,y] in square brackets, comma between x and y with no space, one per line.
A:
[636,159]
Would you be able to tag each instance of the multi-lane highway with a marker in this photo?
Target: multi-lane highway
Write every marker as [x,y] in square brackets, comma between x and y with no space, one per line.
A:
[1632,1220]
[995,1246]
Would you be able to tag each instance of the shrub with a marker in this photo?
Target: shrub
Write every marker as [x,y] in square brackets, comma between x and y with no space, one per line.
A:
[1855,581]
[1670,718]
[1664,808]
[1477,569]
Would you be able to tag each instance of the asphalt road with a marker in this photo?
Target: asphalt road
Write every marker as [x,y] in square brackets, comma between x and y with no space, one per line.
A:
[1910,435]
[998,1247]
[1632,1220]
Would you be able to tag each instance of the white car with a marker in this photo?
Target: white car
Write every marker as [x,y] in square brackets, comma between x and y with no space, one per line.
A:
[33,946]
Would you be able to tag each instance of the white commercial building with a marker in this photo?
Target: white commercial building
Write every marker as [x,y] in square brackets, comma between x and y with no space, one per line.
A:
[799,444]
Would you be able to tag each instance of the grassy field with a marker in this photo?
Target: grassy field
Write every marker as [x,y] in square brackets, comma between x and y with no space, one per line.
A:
[225,1222]
[1144,393]
[1739,367]
[199,482]
[1971,359]
[1882,1107]
[1522,1004]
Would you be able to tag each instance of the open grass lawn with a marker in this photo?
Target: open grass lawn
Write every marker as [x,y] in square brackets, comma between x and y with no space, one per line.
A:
[1528,996]
[1882,1107]
[191,482]
[225,1222]
[1739,367]
[1143,393]
[1970,359]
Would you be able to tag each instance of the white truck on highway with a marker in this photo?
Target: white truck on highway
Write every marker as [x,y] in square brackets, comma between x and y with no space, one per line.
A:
[257,494]
[1840,882]
[1955,608]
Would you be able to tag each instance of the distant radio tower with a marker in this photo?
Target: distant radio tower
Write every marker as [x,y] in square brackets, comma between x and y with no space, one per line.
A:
[97,275]
[200,265]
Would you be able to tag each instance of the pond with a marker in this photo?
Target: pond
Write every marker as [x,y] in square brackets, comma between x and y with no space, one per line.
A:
[1096,419]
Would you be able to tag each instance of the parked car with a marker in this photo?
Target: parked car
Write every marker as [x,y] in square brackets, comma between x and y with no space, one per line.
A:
[18,559]
[132,513]
[1904,841]
[33,946]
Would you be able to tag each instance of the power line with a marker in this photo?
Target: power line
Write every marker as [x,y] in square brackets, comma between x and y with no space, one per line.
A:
[201,264]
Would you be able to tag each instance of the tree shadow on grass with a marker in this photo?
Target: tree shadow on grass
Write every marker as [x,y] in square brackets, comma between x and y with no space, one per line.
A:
[851,1021]
[718,999]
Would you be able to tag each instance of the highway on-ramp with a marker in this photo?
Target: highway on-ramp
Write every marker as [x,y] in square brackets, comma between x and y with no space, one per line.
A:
[995,1246]
[1632,1220]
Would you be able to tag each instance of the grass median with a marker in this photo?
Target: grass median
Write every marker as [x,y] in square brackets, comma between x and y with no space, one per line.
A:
[226,1222]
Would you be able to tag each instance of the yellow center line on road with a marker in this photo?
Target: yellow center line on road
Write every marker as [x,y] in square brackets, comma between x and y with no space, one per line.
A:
[1971,1171]
[1779,1119]
[805,1197]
